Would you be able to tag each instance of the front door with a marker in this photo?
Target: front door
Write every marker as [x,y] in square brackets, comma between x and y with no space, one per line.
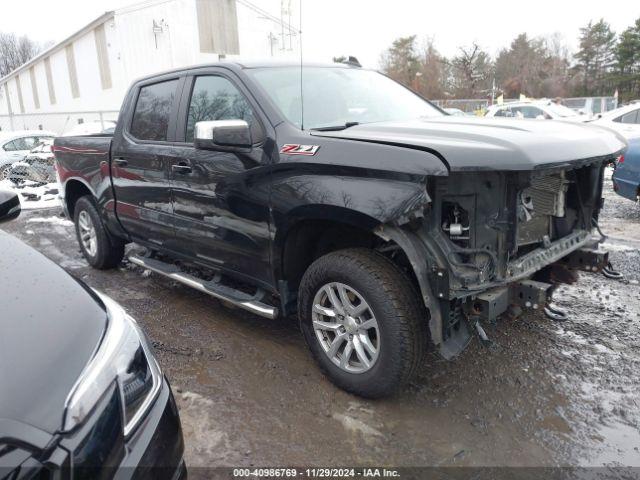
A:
[220,198]
[140,165]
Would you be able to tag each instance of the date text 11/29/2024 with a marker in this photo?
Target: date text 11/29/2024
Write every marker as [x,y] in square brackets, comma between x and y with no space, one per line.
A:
[315,473]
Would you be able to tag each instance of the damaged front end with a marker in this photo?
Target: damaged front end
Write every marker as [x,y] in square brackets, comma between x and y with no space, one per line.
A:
[496,241]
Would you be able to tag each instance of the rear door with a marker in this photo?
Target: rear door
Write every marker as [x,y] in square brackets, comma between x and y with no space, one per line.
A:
[140,150]
[220,198]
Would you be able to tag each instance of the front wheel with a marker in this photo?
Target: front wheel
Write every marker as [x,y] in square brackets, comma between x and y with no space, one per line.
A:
[96,245]
[361,319]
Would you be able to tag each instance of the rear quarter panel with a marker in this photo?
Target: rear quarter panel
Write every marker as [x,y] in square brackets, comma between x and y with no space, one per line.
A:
[85,159]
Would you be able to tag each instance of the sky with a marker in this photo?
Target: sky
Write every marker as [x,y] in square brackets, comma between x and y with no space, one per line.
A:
[365,28]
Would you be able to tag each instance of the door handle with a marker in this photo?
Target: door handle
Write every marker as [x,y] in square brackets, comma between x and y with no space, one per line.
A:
[120,162]
[181,167]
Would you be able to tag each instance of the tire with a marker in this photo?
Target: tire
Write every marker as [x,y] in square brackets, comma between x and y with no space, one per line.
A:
[103,253]
[399,339]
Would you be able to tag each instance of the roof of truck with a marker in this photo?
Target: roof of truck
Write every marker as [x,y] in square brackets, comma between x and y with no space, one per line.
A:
[242,65]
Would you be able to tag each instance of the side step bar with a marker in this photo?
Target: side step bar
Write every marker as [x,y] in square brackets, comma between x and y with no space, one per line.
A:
[237,298]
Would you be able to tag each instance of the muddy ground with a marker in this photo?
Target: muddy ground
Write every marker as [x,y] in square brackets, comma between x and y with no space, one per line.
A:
[546,394]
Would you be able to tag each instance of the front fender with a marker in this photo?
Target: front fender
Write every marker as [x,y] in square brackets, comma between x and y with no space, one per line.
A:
[414,250]
[358,193]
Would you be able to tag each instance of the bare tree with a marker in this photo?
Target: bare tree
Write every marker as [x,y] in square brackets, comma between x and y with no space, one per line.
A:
[471,72]
[16,51]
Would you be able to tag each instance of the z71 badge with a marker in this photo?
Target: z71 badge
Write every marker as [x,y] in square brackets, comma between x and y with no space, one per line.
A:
[290,149]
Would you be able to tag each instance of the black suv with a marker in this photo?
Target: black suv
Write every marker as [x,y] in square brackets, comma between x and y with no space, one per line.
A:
[81,393]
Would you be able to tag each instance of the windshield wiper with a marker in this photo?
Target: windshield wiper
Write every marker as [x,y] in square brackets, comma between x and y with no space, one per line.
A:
[336,128]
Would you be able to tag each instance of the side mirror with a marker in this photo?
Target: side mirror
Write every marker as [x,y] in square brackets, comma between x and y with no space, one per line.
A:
[226,135]
[9,206]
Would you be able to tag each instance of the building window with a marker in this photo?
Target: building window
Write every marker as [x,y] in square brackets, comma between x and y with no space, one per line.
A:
[6,94]
[218,26]
[103,56]
[34,87]
[50,86]
[153,110]
[73,74]
[19,88]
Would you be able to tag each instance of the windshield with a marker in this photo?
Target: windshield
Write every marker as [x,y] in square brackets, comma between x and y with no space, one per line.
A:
[561,110]
[338,96]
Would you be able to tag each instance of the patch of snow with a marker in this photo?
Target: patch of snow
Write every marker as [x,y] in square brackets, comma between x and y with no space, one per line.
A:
[42,198]
[617,247]
[354,425]
[572,336]
[63,222]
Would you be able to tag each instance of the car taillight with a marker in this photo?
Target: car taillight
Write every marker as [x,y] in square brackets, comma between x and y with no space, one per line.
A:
[620,160]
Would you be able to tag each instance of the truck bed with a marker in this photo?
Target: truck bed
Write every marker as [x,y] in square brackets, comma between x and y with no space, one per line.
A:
[85,160]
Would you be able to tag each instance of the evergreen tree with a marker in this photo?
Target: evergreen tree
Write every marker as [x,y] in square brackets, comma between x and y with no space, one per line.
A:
[596,58]
[521,67]
[401,61]
[435,72]
[627,56]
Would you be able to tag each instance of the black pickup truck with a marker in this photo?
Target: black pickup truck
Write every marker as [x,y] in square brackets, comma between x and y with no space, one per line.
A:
[333,192]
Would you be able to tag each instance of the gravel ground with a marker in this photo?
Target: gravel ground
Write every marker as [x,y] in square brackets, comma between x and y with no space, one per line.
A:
[545,394]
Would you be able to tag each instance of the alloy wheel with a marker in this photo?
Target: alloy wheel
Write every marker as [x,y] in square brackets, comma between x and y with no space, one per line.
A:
[346,327]
[88,235]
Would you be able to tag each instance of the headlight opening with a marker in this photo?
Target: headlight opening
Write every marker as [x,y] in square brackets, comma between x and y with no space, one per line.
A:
[125,356]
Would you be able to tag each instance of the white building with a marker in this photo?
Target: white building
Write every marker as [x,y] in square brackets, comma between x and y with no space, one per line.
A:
[85,77]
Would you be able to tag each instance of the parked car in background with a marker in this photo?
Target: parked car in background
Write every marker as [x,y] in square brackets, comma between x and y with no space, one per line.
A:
[624,120]
[380,220]
[89,128]
[81,393]
[14,146]
[456,112]
[590,105]
[536,109]
[37,166]
[626,177]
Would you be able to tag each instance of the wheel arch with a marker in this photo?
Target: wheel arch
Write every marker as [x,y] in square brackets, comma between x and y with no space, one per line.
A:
[74,188]
[317,230]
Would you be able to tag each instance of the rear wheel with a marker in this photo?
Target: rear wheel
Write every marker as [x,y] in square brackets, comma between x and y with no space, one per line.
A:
[96,245]
[362,321]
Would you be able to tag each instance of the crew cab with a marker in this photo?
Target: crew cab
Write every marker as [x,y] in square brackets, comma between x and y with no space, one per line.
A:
[334,193]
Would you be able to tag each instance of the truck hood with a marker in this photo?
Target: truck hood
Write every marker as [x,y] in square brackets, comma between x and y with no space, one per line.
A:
[471,144]
[50,325]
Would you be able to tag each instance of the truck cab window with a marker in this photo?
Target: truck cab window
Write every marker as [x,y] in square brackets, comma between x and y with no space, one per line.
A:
[216,98]
[153,110]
